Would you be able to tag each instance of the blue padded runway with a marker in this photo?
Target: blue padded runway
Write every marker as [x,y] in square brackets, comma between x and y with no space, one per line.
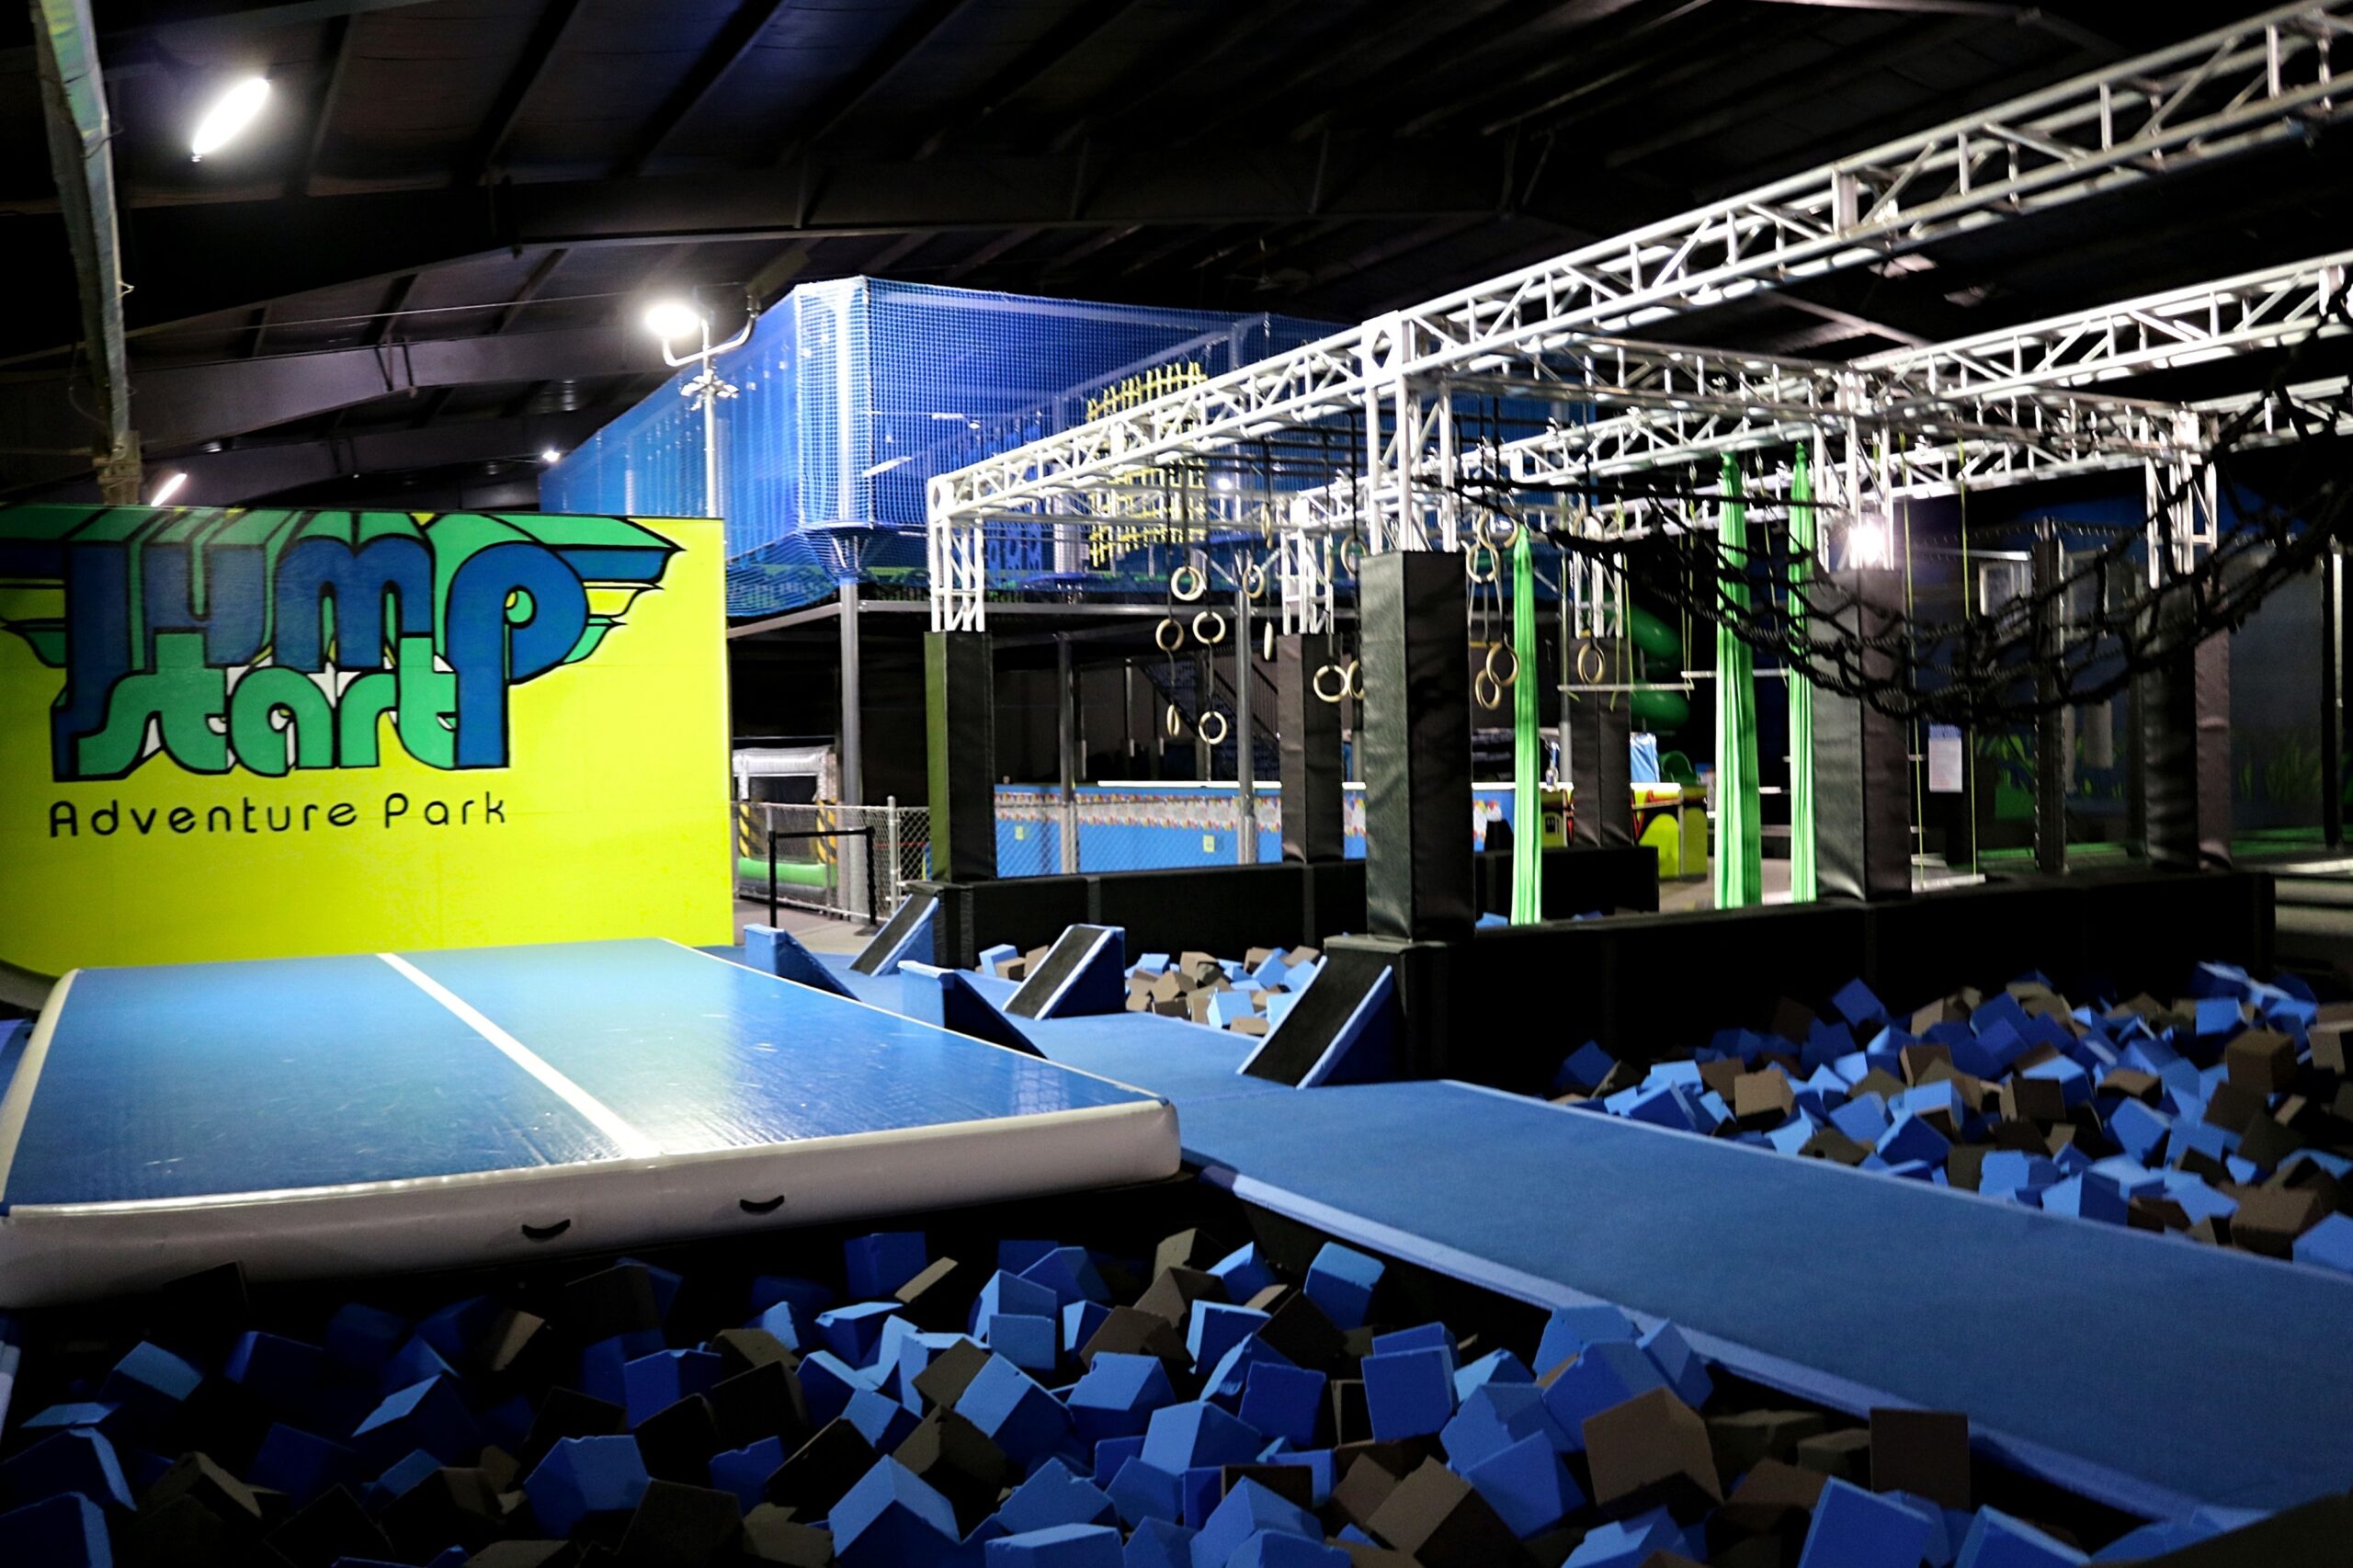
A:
[2146,1371]
[593,1091]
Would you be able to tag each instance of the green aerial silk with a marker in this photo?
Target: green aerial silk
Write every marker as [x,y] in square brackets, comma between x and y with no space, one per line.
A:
[1527,838]
[1739,861]
[1802,883]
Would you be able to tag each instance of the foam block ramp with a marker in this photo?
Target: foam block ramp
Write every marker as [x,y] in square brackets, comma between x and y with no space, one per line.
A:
[948,998]
[780,953]
[906,934]
[1083,972]
[1341,1030]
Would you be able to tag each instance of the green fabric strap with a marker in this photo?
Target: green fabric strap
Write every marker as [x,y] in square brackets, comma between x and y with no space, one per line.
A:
[1527,835]
[1739,860]
[1801,882]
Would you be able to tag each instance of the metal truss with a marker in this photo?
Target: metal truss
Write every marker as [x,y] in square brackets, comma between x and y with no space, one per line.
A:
[2262,80]
[2004,407]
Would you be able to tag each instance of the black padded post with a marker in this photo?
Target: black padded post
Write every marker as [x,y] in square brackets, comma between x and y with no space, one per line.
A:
[2186,753]
[1863,824]
[1416,746]
[959,717]
[1599,727]
[1313,825]
[2054,756]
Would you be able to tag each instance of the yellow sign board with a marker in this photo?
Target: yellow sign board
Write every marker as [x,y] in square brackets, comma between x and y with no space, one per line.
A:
[232,735]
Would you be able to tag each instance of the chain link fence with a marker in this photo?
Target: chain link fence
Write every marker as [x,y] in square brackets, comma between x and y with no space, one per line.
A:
[818,856]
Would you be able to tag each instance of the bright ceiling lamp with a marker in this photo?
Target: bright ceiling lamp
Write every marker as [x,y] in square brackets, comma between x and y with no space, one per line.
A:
[671,320]
[231,113]
[169,488]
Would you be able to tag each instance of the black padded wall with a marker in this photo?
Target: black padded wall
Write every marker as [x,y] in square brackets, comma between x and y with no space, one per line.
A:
[1416,745]
[1862,823]
[1599,737]
[1313,826]
[959,721]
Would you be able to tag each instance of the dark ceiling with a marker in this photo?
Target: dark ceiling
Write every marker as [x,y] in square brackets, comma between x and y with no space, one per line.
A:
[426,263]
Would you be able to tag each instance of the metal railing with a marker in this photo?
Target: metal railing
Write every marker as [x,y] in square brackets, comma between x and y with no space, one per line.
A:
[853,862]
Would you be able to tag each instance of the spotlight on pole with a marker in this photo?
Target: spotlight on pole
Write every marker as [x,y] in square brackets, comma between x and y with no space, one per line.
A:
[550,455]
[671,320]
[229,116]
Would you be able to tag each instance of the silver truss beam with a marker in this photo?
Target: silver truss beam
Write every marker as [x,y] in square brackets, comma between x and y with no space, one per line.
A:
[2256,82]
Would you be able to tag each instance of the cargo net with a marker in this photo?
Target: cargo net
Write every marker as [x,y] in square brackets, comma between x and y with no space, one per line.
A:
[2078,638]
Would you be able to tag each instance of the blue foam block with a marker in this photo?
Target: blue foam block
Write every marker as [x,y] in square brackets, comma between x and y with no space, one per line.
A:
[1080,1320]
[654,1384]
[1607,1374]
[1111,1453]
[1997,1540]
[1275,1549]
[879,1418]
[1117,1396]
[780,953]
[1181,1436]
[302,1464]
[1013,1411]
[1526,1486]
[1030,1343]
[1243,1272]
[1855,1529]
[745,1471]
[1058,1546]
[1142,1491]
[67,1531]
[76,1459]
[431,1416]
[1284,1401]
[878,1264]
[1627,1543]
[1495,1417]
[892,1518]
[581,1476]
[1055,1496]
[1247,1509]
[1159,1543]
[1212,1328]
[2329,1245]
[1070,1274]
[1341,1281]
[1007,1292]
[1570,1329]
[1408,1393]
[1680,1365]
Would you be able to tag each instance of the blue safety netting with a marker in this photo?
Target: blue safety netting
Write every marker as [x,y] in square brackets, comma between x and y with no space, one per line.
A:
[852,393]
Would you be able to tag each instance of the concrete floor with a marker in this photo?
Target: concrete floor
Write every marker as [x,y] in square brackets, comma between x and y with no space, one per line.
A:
[818,933]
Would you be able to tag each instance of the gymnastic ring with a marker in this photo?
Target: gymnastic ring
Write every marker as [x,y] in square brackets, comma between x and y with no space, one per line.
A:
[1175,721]
[1179,579]
[1505,540]
[1356,680]
[1600,665]
[1253,581]
[1203,728]
[1211,639]
[1504,681]
[1351,555]
[1487,690]
[1471,561]
[1169,635]
[1337,692]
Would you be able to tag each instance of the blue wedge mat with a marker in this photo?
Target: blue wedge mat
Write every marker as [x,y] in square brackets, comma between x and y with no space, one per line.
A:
[2147,1371]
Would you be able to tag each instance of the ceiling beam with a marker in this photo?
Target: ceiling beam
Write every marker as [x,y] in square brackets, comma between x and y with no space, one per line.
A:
[546,37]
[1083,23]
[721,56]
[329,241]
[902,43]
[236,476]
[341,32]
[186,406]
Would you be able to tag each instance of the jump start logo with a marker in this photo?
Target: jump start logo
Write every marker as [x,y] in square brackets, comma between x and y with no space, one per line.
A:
[283,639]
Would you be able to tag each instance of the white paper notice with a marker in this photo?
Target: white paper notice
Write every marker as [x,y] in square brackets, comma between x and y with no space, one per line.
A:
[1944,759]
